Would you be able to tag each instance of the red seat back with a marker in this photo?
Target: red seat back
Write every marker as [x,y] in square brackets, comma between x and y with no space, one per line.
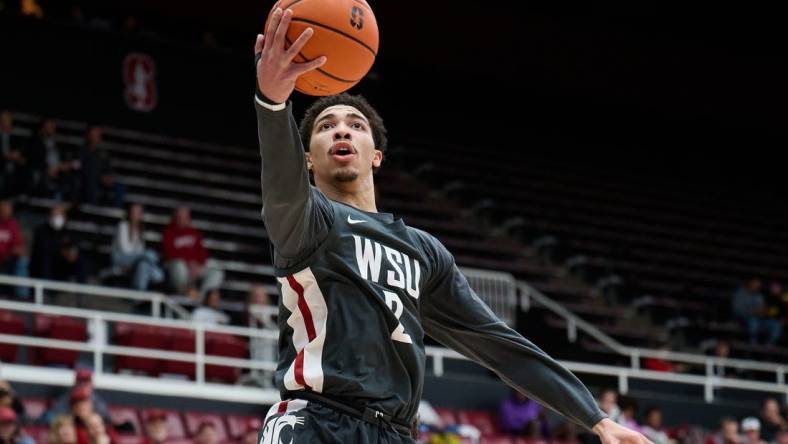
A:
[193,420]
[481,419]
[34,407]
[10,324]
[224,345]
[182,341]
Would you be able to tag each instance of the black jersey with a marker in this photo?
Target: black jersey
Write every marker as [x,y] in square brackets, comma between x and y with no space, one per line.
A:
[361,290]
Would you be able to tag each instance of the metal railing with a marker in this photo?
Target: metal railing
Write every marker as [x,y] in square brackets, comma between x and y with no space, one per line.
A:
[98,344]
[529,296]
[498,290]
[158,301]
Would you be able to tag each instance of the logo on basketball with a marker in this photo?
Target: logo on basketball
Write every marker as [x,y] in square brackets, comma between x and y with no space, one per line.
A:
[272,434]
[357,17]
[139,76]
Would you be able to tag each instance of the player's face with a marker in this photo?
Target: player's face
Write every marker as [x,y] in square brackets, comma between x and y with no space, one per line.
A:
[342,148]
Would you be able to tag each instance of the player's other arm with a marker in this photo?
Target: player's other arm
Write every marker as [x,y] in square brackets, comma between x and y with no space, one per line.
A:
[294,214]
[454,315]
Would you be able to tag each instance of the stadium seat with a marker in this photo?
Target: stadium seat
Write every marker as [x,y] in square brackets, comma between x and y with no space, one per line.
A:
[481,419]
[182,341]
[143,336]
[10,324]
[236,424]
[34,407]
[496,439]
[58,327]
[122,414]
[39,433]
[519,440]
[226,346]
[194,419]
[175,427]
[447,416]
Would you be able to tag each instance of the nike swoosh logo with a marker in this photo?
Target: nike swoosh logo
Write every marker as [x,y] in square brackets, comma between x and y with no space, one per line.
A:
[352,221]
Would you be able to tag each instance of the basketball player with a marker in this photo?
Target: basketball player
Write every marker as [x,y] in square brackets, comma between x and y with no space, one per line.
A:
[360,289]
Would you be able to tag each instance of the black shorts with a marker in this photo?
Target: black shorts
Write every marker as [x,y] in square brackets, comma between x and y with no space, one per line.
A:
[302,422]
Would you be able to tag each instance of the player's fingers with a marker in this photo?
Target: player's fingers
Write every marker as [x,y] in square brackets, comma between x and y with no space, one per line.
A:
[299,43]
[258,44]
[272,25]
[300,68]
[281,30]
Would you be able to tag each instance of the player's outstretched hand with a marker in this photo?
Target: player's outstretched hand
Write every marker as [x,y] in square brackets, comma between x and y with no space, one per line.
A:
[276,71]
[610,432]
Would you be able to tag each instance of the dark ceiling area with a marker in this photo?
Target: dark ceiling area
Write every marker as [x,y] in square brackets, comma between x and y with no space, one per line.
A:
[679,81]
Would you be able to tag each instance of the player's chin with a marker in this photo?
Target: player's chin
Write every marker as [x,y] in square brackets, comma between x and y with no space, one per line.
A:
[345,174]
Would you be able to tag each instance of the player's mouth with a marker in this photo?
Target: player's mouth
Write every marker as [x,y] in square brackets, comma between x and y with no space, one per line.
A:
[342,152]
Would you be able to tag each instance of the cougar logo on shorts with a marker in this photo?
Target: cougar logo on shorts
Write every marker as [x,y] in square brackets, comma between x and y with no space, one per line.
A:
[275,427]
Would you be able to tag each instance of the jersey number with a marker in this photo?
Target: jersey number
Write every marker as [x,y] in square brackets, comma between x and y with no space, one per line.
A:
[395,304]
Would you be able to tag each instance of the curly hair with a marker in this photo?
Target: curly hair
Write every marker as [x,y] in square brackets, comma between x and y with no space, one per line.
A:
[359,102]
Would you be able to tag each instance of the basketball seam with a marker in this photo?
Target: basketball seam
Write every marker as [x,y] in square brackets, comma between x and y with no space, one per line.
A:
[338,32]
[325,73]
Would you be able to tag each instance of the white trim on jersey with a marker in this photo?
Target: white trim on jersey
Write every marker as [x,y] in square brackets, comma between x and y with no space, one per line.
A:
[289,407]
[301,295]
[277,107]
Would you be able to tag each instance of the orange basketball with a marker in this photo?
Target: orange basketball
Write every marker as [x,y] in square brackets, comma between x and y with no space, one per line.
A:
[345,32]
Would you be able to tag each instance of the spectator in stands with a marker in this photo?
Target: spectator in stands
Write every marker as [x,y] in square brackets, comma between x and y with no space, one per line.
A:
[129,255]
[751,427]
[83,377]
[260,316]
[186,257]
[98,185]
[252,429]
[13,255]
[62,430]
[206,434]
[749,307]
[210,312]
[11,159]
[155,427]
[98,432]
[661,365]
[34,174]
[781,438]
[772,421]
[728,432]
[777,302]
[629,408]
[652,426]
[10,430]
[519,415]
[608,402]
[56,252]
[8,398]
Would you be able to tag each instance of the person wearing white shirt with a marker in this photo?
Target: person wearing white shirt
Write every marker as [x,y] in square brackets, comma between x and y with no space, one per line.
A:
[129,255]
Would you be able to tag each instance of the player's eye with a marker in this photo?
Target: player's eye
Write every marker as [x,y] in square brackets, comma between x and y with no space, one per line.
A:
[357,125]
[325,126]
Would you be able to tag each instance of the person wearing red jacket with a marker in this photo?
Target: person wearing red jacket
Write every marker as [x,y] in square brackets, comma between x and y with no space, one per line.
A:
[186,258]
[13,256]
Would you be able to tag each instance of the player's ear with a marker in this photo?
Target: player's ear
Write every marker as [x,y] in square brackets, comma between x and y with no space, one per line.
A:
[308,161]
[378,159]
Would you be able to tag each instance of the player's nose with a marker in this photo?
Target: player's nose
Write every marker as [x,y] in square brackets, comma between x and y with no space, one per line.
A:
[341,133]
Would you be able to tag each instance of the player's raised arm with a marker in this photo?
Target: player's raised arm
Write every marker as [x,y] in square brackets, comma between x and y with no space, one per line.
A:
[453,314]
[293,213]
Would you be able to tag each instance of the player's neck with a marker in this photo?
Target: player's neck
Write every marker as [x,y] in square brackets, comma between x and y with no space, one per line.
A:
[358,194]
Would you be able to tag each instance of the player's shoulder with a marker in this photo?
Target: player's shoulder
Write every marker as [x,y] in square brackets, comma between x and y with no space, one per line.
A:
[429,243]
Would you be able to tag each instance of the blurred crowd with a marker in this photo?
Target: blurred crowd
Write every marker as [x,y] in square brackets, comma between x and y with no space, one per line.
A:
[79,415]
